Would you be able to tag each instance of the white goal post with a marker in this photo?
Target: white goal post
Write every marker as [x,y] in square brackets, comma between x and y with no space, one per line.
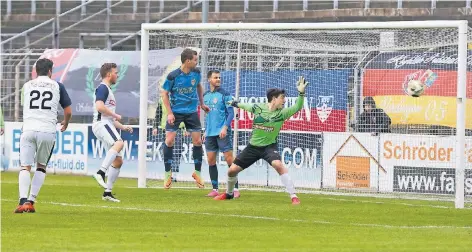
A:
[458,31]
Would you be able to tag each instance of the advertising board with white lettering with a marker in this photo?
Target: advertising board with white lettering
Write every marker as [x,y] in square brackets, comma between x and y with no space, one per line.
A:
[413,159]
[428,180]
[350,161]
[301,152]
[69,154]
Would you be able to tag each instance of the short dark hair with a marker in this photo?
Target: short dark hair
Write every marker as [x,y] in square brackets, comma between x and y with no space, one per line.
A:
[212,72]
[43,66]
[106,68]
[368,100]
[187,54]
[274,93]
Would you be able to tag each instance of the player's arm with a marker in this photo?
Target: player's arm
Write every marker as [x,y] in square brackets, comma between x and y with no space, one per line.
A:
[290,111]
[230,116]
[120,126]
[200,94]
[66,103]
[207,123]
[166,89]
[200,98]
[101,95]
[244,106]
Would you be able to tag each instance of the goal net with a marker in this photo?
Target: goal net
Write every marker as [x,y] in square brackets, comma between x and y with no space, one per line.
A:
[359,132]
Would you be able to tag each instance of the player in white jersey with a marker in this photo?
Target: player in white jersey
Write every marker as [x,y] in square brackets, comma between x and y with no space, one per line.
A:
[41,98]
[105,123]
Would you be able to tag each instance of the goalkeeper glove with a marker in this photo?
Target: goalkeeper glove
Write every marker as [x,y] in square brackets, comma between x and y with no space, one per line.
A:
[233,103]
[301,84]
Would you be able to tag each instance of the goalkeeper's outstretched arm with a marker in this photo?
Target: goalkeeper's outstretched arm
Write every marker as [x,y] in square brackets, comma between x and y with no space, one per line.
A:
[244,106]
[290,111]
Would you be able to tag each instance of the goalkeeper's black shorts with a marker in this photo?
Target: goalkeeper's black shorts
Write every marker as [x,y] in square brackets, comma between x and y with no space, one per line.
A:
[252,153]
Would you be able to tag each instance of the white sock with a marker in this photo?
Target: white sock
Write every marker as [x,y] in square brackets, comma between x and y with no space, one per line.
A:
[231,183]
[36,183]
[288,183]
[111,155]
[24,181]
[112,176]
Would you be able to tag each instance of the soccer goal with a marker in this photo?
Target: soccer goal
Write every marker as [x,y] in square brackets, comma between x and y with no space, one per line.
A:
[358,133]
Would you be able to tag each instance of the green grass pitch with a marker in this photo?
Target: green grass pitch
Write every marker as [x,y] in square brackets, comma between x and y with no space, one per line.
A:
[72,217]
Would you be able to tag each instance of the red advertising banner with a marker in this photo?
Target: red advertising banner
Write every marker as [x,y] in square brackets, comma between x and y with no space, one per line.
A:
[62,59]
[381,82]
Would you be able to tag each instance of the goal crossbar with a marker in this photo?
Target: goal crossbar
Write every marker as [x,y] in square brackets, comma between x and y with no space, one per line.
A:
[461,25]
[307,26]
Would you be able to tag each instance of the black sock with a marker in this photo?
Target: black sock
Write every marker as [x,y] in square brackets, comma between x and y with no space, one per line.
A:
[168,153]
[101,173]
[197,157]
[23,200]
[214,176]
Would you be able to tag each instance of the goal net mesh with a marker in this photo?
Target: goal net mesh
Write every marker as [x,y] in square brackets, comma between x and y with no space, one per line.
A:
[358,131]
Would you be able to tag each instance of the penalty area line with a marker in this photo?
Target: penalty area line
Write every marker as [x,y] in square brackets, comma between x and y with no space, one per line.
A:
[268,218]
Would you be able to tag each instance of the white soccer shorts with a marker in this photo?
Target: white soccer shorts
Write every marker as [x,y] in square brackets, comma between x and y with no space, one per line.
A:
[36,144]
[107,134]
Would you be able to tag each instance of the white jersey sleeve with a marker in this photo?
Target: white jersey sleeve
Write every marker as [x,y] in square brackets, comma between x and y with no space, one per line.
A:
[104,93]
[41,99]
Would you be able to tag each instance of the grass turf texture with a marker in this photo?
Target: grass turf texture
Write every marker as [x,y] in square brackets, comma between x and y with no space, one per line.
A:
[72,217]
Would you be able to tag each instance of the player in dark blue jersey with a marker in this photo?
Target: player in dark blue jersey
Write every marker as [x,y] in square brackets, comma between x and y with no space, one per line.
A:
[217,135]
[181,94]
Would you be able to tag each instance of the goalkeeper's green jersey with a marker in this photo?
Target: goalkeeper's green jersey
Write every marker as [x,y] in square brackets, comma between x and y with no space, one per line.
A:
[267,124]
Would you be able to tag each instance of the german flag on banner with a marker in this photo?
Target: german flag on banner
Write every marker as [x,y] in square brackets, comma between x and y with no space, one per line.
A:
[386,77]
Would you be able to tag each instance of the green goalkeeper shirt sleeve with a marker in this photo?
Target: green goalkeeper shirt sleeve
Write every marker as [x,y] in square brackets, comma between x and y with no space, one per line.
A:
[290,111]
[246,106]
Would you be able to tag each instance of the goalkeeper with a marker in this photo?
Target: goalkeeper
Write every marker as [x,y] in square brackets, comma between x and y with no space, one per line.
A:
[268,120]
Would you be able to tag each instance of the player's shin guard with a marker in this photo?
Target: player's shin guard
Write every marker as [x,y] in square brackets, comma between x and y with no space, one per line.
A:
[113,174]
[288,183]
[197,157]
[36,183]
[214,176]
[231,183]
[168,157]
[24,182]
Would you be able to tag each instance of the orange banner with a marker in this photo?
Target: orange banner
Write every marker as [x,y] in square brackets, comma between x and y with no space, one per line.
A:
[352,172]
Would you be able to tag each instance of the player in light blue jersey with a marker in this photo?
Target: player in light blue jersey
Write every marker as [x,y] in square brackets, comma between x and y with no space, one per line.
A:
[181,94]
[217,135]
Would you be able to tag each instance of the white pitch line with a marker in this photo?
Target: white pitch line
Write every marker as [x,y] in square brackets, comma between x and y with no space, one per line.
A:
[389,203]
[321,193]
[250,216]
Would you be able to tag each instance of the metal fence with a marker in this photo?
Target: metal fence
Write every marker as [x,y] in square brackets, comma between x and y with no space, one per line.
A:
[136,7]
